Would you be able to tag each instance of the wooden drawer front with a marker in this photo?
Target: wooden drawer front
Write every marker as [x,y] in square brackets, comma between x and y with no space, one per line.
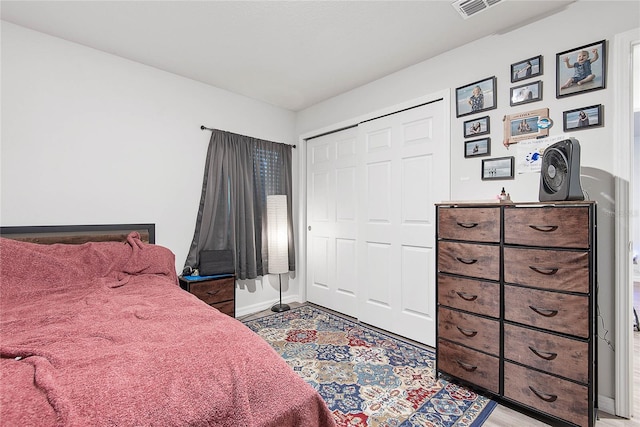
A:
[554,311]
[227,307]
[473,224]
[561,398]
[214,291]
[470,295]
[482,261]
[557,355]
[469,365]
[560,227]
[560,270]
[470,330]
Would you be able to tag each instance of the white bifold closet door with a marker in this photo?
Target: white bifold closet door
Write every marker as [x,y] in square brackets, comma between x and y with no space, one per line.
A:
[332,221]
[371,191]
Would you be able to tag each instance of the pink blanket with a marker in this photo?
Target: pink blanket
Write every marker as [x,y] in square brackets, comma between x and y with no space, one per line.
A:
[100,334]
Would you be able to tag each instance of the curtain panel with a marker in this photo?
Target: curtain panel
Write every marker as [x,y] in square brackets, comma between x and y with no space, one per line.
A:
[240,172]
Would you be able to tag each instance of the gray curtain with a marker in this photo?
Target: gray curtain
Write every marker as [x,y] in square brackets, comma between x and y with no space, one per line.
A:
[240,172]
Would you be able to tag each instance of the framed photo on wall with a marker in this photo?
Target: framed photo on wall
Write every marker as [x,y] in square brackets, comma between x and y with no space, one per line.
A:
[477,147]
[530,92]
[527,125]
[581,69]
[498,168]
[582,118]
[526,69]
[476,97]
[476,127]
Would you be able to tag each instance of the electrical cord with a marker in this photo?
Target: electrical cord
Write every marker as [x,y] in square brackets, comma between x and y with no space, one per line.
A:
[606,331]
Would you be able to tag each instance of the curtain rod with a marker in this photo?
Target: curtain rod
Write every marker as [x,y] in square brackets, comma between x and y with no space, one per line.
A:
[202,127]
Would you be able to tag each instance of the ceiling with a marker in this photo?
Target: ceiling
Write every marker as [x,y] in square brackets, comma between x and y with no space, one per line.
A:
[291,54]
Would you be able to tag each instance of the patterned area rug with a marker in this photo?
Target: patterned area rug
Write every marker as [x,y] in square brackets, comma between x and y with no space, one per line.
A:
[366,377]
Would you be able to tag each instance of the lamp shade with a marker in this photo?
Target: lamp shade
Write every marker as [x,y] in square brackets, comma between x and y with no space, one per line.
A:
[277,234]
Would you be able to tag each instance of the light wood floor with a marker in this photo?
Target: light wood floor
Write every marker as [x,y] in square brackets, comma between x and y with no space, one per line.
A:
[503,416]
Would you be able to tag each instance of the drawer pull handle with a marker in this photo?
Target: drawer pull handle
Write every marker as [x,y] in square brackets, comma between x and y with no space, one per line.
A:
[545,271]
[543,311]
[467,260]
[467,332]
[467,297]
[544,228]
[466,366]
[543,354]
[212,293]
[467,224]
[545,397]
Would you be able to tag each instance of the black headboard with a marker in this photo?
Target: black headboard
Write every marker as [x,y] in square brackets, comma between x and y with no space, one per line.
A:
[78,234]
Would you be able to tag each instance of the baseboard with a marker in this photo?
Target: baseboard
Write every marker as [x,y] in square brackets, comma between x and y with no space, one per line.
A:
[606,404]
[265,305]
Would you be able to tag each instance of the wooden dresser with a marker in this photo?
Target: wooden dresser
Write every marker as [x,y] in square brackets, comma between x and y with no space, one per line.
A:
[217,291]
[516,304]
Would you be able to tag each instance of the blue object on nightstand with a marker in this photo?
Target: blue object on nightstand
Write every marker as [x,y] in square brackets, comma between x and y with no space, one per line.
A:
[199,278]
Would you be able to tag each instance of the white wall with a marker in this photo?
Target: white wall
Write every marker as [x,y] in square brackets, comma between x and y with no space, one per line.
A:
[91,138]
[581,23]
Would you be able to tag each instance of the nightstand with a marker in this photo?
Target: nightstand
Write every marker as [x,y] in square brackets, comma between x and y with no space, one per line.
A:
[218,291]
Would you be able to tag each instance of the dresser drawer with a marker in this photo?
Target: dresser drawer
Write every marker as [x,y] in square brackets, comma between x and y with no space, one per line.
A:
[561,270]
[551,353]
[469,365]
[226,307]
[470,330]
[554,311]
[472,224]
[467,259]
[471,295]
[547,226]
[561,398]
[214,291]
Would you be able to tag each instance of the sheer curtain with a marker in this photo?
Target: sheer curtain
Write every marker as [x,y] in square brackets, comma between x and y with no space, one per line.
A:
[240,172]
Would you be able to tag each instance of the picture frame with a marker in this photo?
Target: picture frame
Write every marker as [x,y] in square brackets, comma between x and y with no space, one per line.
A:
[476,97]
[477,127]
[582,118]
[527,125]
[526,69]
[526,93]
[572,79]
[477,148]
[498,168]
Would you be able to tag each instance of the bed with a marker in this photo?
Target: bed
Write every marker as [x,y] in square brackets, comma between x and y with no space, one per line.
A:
[97,332]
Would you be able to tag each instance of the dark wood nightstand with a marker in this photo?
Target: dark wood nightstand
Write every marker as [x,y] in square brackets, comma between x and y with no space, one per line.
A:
[217,291]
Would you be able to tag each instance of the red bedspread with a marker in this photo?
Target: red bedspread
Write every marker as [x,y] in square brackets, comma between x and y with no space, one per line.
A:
[101,334]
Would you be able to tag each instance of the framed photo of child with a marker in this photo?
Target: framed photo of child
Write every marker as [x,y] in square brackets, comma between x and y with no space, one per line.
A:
[476,127]
[498,168]
[530,92]
[582,118]
[477,147]
[526,69]
[581,69]
[476,97]
[525,125]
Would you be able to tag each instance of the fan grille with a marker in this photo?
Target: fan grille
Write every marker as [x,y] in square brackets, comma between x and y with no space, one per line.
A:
[554,169]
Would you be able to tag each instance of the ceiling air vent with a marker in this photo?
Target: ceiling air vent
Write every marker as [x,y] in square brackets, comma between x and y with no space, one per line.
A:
[468,8]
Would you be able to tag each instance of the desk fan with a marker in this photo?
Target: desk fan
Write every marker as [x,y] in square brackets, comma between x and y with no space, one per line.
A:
[560,172]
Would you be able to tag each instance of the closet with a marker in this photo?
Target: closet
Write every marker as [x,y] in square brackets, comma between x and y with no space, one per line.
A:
[371,222]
